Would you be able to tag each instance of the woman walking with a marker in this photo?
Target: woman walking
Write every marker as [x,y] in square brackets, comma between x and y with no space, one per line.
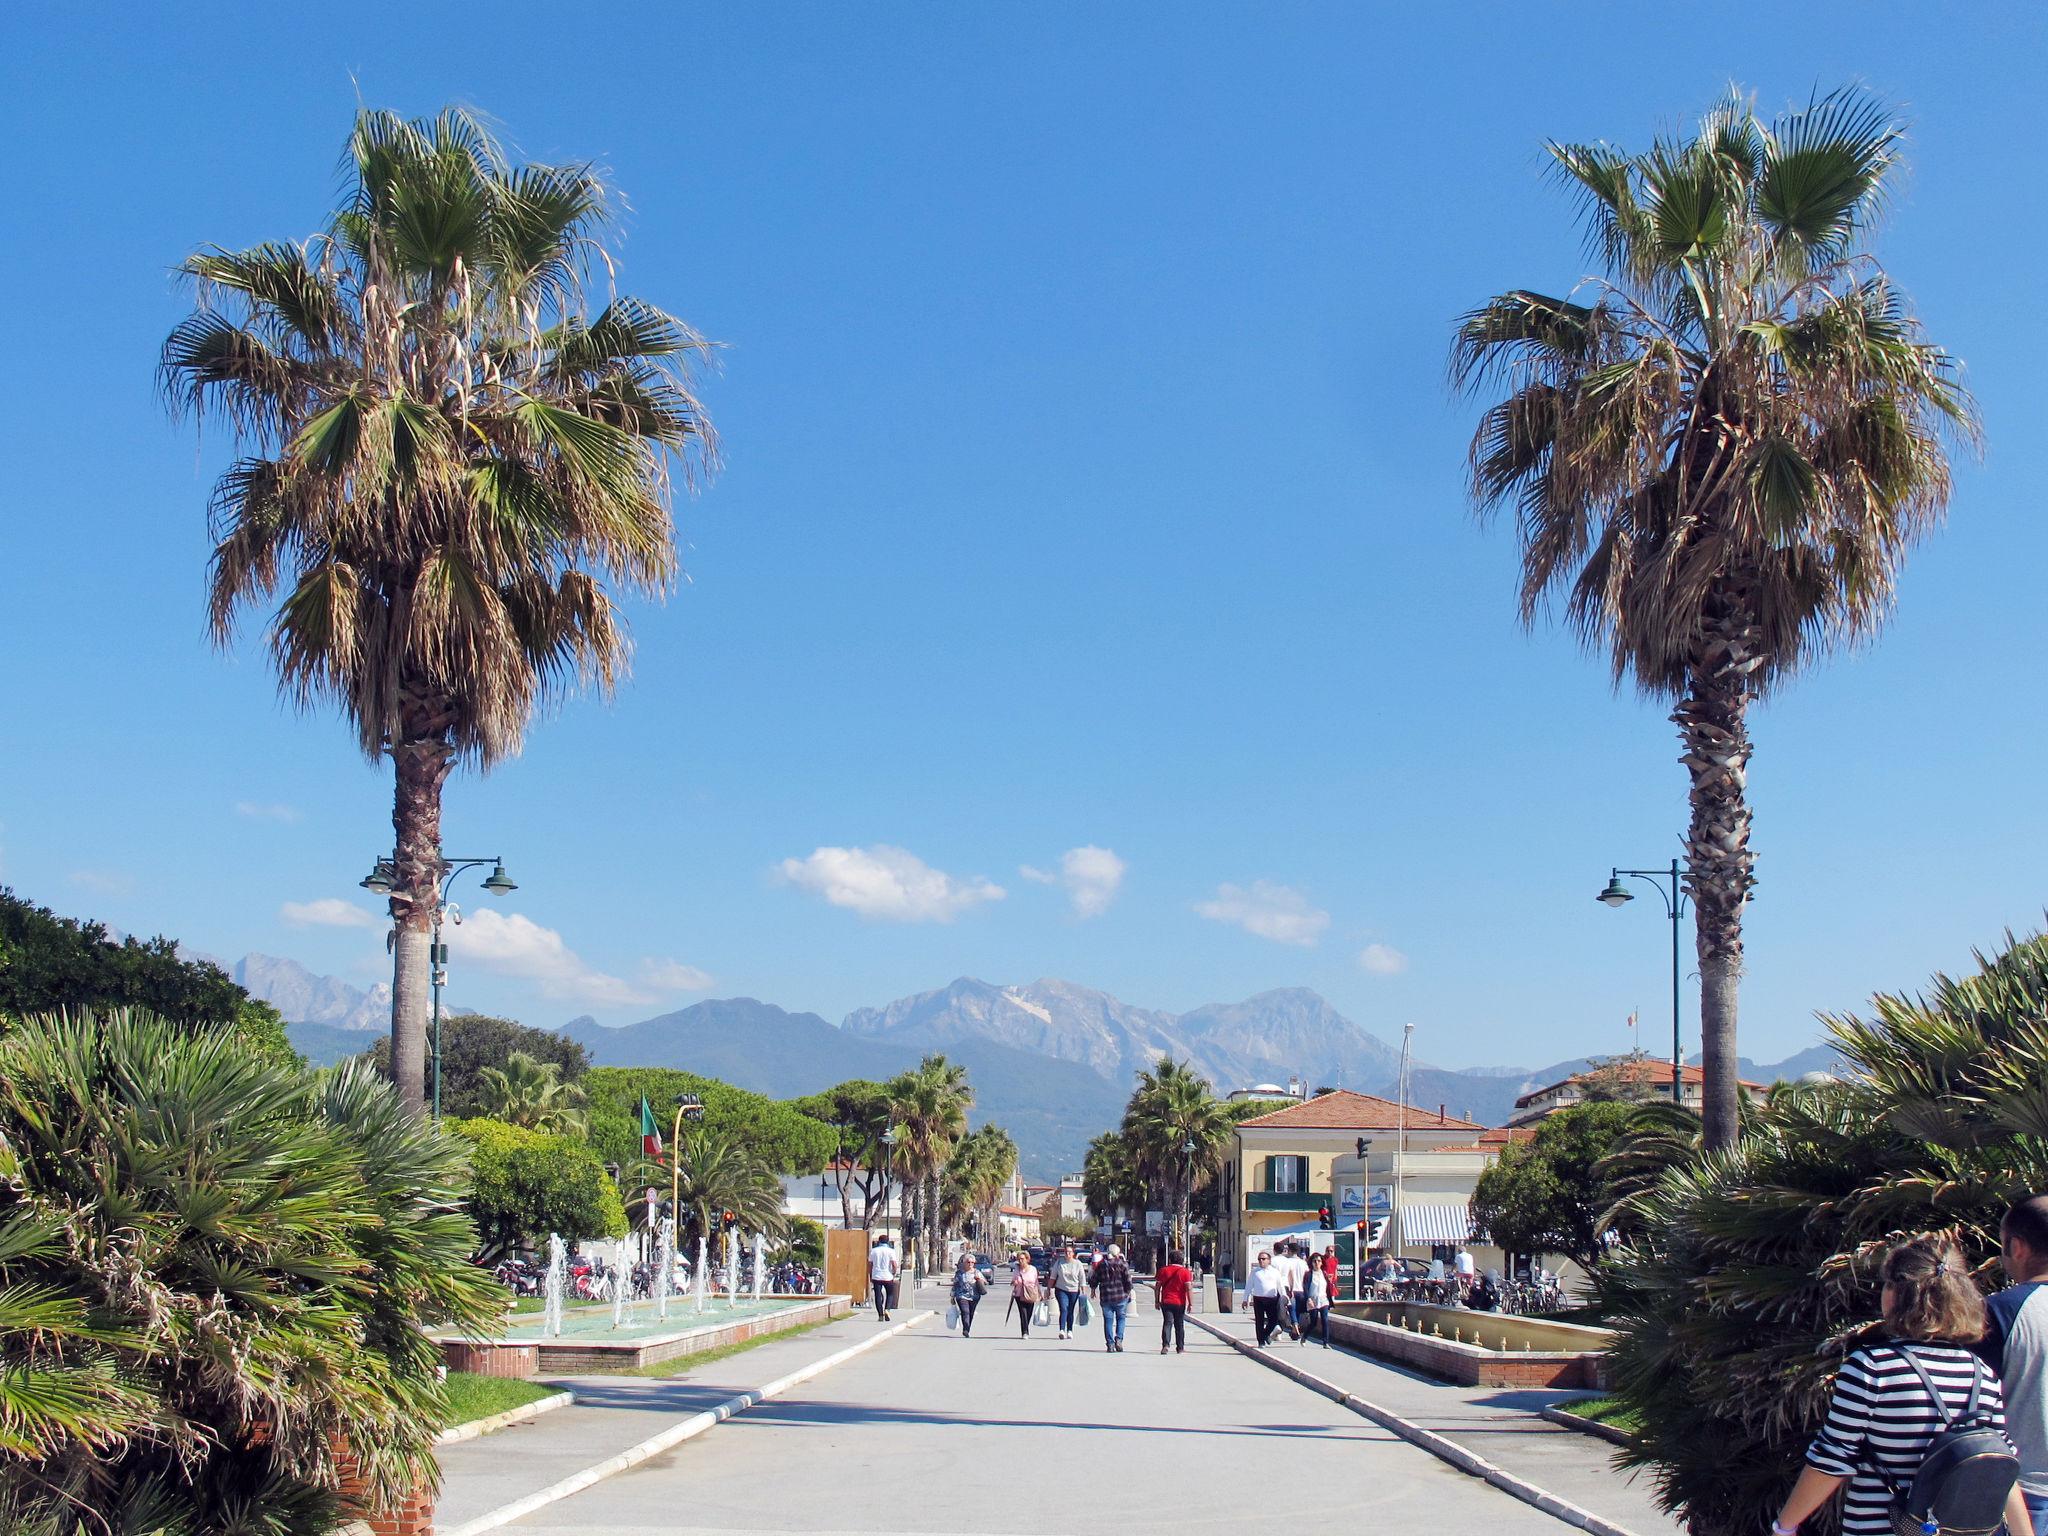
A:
[1069,1280]
[1892,1397]
[1024,1292]
[968,1284]
[1315,1313]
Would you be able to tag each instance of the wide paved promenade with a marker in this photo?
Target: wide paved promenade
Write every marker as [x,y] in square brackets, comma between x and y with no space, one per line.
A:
[930,1433]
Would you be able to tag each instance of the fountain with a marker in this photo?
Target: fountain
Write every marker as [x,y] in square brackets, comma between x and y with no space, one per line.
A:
[703,1270]
[757,1266]
[551,1289]
[664,1266]
[732,1271]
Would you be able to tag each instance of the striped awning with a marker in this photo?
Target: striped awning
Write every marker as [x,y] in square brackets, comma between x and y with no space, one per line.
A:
[1443,1222]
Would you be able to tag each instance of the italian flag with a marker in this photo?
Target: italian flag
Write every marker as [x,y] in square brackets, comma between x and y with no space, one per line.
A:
[650,1133]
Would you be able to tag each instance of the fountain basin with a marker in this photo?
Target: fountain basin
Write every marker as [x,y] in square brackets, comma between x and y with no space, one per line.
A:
[589,1342]
[1496,1350]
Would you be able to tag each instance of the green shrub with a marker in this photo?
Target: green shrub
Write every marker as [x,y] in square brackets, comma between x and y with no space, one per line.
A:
[1753,1272]
[525,1184]
[241,1254]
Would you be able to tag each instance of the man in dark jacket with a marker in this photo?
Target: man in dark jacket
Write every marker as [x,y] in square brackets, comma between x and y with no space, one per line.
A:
[1111,1283]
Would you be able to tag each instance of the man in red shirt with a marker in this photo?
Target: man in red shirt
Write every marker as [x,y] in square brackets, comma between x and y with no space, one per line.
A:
[1176,1283]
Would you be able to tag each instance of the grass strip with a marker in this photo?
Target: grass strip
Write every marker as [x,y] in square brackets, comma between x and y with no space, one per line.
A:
[1604,1410]
[682,1363]
[472,1397]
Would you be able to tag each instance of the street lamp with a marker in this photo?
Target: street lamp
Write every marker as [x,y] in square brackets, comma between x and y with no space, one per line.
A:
[688,1107]
[887,1141]
[1617,896]
[383,879]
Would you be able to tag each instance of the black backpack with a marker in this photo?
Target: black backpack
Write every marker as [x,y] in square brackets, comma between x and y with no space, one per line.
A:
[1966,1474]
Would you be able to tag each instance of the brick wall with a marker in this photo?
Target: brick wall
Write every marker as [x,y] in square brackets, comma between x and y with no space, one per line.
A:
[412,1516]
[485,1359]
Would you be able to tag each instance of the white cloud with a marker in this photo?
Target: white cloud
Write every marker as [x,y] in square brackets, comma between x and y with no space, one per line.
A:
[515,945]
[887,883]
[1382,960]
[1038,876]
[1092,877]
[674,976]
[1272,911]
[103,882]
[257,811]
[328,912]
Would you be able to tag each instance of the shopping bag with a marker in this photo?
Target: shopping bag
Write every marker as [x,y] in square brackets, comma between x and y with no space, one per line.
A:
[952,1314]
[1044,1319]
[1084,1313]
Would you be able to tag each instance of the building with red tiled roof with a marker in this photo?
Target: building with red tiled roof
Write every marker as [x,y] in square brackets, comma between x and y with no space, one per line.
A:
[1627,1077]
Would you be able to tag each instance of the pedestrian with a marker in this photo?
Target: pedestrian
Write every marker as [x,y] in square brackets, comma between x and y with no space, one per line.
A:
[1174,1283]
[1069,1280]
[2016,1345]
[1330,1268]
[883,1268]
[1024,1292]
[1465,1270]
[1892,1397]
[1111,1283]
[1265,1285]
[1294,1276]
[1316,1310]
[968,1284]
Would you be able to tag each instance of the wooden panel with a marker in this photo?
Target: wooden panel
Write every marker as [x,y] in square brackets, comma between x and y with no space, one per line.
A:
[846,1264]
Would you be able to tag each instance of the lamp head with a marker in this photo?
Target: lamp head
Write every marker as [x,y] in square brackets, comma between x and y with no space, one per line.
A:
[500,883]
[690,1105]
[380,879]
[1616,894]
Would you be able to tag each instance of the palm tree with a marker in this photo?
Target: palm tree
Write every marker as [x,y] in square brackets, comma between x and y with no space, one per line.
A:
[446,457]
[1111,1180]
[1179,1130]
[1719,461]
[720,1173]
[976,1173]
[531,1093]
[929,1106]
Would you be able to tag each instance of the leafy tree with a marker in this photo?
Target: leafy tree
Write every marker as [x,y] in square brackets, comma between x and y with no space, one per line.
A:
[472,1041]
[1111,1177]
[525,1184]
[531,1094]
[803,1241]
[779,1133]
[446,458]
[858,1112]
[1755,1270]
[1067,1229]
[1178,1130]
[50,964]
[214,1270]
[1549,1194]
[1719,462]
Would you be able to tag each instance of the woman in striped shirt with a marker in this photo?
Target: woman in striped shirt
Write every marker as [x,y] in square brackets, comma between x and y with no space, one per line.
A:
[1881,1416]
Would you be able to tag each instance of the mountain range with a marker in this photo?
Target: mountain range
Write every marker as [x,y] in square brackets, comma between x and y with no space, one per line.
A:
[1050,1060]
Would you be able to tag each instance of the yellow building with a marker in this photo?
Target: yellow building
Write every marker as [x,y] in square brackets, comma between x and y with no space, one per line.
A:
[1287,1166]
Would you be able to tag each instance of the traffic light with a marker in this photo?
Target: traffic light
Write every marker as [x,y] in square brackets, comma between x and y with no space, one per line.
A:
[909,1227]
[1323,1218]
[728,1220]
[972,1226]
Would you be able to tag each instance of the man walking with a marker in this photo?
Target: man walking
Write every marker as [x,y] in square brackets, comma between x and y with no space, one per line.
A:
[1112,1284]
[1294,1279]
[1264,1286]
[1174,1282]
[883,1268]
[2016,1345]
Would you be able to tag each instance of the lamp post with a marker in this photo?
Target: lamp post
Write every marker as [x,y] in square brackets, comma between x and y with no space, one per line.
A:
[887,1142]
[1618,895]
[688,1107]
[1401,1147]
[383,876]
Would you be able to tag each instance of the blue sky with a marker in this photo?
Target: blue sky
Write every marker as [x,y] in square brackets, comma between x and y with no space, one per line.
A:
[1091,483]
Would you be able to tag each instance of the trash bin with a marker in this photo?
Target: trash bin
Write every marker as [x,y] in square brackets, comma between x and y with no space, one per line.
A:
[1224,1297]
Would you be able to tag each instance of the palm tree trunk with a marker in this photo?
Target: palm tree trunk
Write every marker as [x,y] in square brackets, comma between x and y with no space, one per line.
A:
[1713,721]
[421,760]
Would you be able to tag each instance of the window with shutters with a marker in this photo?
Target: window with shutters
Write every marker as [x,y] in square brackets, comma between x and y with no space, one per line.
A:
[1286,1175]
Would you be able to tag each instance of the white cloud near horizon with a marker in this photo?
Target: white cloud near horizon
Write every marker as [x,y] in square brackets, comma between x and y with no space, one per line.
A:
[1038,876]
[1268,909]
[1092,877]
[675,976]
[888,884]
[259,811]
[327,912]
[1382,960]
[513,944]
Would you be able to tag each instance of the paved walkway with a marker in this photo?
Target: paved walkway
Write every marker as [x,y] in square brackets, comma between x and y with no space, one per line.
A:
[1499,1423]
[930,1433]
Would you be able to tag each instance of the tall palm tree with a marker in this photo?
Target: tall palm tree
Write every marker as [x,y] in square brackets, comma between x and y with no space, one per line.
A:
[929,1106]
[1720,459]
[1179,1130]
[976,1173]
[719,1173]
[531,1093]
[446,458]
[1111,1179]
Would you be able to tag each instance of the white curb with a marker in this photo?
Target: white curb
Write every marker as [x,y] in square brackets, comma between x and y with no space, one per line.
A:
[1437,1445]
[676,1434]
[457,1433]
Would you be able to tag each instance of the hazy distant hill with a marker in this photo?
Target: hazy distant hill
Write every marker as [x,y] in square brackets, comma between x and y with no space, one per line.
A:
[323,1045]
[304,998]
